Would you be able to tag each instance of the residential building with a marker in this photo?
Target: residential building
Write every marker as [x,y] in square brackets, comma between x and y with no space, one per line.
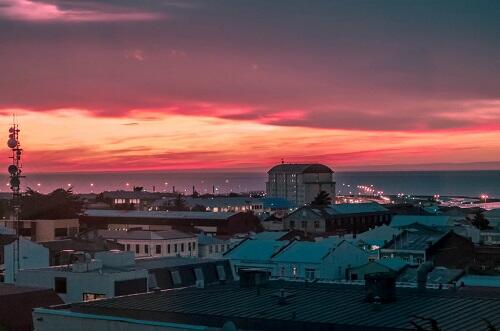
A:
[44,230]
[211,246]
[394,265]
[280,305]
[300,183]
[32,255]
[317,260]
[110,274]
[17,303]
[493,216]
[337,218]
[137,199]
[220,223]
[146,243]
[490,237]
[421,243]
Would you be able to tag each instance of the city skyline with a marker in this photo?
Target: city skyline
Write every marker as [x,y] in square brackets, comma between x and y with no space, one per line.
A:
[150,85]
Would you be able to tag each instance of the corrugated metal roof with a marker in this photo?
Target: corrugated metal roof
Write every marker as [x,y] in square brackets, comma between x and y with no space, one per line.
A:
[315,305]
[255,250]
[304,252]
[354,208]
[144,234]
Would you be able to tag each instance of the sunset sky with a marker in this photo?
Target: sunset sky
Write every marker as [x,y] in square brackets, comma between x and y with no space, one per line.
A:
[238,85]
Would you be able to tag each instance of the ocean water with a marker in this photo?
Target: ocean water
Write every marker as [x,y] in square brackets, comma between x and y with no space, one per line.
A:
[456,183]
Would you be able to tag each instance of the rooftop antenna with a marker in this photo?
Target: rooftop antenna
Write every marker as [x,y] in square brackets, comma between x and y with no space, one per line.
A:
[15,180]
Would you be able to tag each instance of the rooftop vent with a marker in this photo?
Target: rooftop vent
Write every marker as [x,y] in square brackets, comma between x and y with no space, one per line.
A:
[380,287]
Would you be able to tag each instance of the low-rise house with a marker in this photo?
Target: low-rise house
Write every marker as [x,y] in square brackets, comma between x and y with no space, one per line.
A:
[154,243]
[317,260]
[337,218]
[32,255]
[110,274]
[211,246]
[419,244]
[490,237]
[17,303]
[44,230]
[219,223]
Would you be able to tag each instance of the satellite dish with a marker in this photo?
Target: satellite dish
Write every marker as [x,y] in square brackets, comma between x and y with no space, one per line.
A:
[15,182]
[13,169]
[12,143]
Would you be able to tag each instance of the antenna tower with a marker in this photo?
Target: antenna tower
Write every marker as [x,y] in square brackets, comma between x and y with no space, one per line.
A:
[15,182]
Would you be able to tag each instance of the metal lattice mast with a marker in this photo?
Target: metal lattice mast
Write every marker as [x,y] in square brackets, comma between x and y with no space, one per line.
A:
[15,183]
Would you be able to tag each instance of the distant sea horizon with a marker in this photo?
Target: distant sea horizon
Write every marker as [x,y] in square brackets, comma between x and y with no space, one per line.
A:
[470,183]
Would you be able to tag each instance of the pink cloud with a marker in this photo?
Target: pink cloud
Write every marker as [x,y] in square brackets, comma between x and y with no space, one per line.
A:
[36,11]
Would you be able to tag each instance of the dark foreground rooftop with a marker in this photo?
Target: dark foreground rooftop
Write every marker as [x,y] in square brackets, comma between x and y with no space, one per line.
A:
[306,307]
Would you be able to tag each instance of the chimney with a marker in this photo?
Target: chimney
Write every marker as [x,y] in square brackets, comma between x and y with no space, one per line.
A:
[380,287]
[422,273]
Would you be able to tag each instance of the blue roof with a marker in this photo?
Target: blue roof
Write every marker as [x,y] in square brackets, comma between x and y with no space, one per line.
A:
[404,220]
[354,208]
[279,203]
[256,250]
[475,280]
[270,235]
[303,251]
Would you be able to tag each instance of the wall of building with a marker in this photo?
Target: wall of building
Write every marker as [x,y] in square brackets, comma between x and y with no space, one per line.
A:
[168,247]
[305,220]
[32,256]
[45,230]
[77,283]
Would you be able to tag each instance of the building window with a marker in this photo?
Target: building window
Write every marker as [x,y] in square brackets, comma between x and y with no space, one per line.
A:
[60,232]
[93,296]
[210,249]
[168,249]
[60,285]
[419,260]
[176,277]
[216,248]
[221,273]
[294,271]
[158,249]
[292,224]
[146,249]
[128,247]
[175,248]
[182,247]
[137,249]
[193,245]
[310,274]
[316,224]
[189,247]
[304,224]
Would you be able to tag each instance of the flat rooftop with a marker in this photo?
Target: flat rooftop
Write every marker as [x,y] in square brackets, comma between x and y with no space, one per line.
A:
[307,307]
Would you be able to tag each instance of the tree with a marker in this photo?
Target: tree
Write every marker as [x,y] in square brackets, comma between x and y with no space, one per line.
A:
[322,199]
[480,222]
[178,204]
[58,204]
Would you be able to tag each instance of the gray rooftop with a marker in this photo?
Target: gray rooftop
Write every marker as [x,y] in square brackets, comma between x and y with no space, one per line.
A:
[144,234]
[308,307]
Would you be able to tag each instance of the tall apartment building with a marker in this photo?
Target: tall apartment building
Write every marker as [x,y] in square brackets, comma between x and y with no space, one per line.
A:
[300,183]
